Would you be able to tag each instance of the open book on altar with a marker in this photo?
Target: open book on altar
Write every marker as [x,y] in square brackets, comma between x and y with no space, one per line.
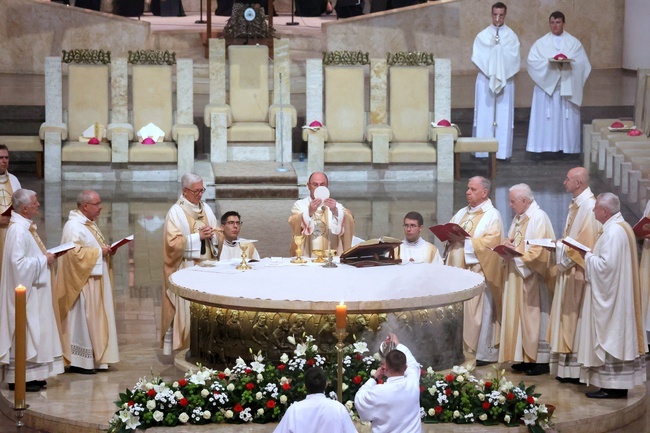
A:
[61,248]
[123,241]
[575,244]
[642,228]
[506,252]
[442,231]
[373,252]
[546,243]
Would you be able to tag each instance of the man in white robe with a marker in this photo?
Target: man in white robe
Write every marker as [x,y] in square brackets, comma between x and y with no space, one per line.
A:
[85,291]
[644,276]
[314,218]
[189,237]
[566,309]
[316,413]
[496,54]
[228,247]
[526,297]
[482,314]
[8,184]
[27,262]
[393,406]
[414,249]
[557,95]
[613,342]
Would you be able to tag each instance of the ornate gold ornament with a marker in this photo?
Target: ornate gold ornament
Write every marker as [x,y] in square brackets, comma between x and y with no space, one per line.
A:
[85,56]
[152,57]
[350,58]
[242,24]
[410,58]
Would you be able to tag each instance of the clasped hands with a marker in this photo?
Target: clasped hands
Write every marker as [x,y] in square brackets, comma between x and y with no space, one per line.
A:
[206,232]
[329,202]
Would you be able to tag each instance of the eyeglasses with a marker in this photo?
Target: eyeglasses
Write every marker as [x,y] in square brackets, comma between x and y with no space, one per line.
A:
[196,191]
[235,223]
[94,204]
[410,226]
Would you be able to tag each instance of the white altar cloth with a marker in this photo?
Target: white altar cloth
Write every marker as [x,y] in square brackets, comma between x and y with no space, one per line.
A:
[281,286]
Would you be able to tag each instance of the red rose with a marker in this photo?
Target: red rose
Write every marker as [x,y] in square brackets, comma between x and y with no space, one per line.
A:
[530,399]
[310,362]
[450,377]
[222,375]
[238,408]
[438,409]
[488,384]
[250,385]
[510,396]
[448,391]
[281,367]
[286,386]
[270,404]
[357,379]
[183,402]
[151,393]
[421,389]
[248,370]
[422,372]
[486,405]
[182,382]
[131,403]
[359,357]
[216,392]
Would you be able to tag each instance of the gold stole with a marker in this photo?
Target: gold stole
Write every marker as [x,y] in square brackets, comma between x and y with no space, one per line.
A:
[457,251]
[638,299]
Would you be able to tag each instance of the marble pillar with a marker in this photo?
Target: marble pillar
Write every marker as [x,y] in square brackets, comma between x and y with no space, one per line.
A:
[53,116]
[217,71]
[442,110]
[314,91]
[378,91]
[120,110]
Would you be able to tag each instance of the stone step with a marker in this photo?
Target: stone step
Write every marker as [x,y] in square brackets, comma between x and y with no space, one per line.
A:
[253,173]
[256,191]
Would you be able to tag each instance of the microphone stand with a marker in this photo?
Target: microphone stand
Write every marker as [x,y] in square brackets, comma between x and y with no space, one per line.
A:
[201,20]
[293,8]
[282,168]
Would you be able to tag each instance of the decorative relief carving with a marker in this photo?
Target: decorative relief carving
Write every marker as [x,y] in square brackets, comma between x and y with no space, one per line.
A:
[152,57]
[238,27]
[350,58]
[85,56]
[410,58]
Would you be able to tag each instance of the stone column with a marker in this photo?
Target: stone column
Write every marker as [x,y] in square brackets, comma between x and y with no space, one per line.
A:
[636,38]
[53,116]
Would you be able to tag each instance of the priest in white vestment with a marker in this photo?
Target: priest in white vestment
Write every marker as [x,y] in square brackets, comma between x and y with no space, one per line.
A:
[229,235]
[392,406]
[644,276]
[613,341]
[482,314]
[8,184]
[27,262]
[526,297]
[557,95]
[566,309]
[317,219]
[189,237]
[414,249]
[316,413]
[85,291]
[496,54]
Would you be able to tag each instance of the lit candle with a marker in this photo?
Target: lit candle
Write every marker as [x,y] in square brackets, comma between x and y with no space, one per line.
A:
[21,346]
[341,315]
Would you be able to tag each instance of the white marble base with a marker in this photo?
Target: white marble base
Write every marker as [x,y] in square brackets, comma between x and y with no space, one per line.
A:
[129,173]
[245,152]
[396,173]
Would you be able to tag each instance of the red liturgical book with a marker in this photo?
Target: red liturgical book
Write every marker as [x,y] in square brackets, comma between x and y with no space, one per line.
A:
[442,231]
[121,242]
[641,229]
[506,252]
[575,244]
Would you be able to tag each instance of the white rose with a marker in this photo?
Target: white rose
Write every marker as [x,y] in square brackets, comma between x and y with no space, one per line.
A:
[230,387]
[456,393]
[481,397]
[483,417]
[151,404]
[207,414]
[432,412]
[149,386]
[460,379]
[456,414]
[502,400]
[430,370]
[158,416]
[507,418]
[260,378]
[283,380]
[349,404]
[183,418]
[227,372]
[175,385]
[432,390]
[283,399]
[284,358]
[228,414]
[204,393]
[178,395]
[345,386]
[373,371]
[260,412]
[258,396]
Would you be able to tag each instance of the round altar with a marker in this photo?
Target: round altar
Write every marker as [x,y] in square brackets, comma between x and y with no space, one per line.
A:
[277,304]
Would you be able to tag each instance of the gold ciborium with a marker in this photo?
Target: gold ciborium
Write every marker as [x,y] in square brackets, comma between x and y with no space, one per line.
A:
[330,259]
[319,256]
[298,240]
[243,246]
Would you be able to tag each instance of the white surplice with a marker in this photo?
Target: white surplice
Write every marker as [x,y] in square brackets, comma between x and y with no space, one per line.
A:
[82,317]
[610,349]
[8,185]
[316,414]
[557,95]
[229,252]
[26,264]
[420,251]
[393,406]
[498,64]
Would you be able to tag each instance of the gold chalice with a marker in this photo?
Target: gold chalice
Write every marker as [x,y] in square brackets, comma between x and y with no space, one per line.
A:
[243,246]
[319,256]
[298,240]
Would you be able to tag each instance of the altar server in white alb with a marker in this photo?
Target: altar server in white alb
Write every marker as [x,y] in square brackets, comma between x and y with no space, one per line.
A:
[27,262]
[557,95]
[229,248]
[496,54]
[393,406]
[84,291]
[644,276]
[189,237]
[8,184]
[414,249]
[316,413]
[613,342]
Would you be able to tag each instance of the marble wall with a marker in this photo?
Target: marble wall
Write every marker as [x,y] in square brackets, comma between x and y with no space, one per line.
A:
[448,28]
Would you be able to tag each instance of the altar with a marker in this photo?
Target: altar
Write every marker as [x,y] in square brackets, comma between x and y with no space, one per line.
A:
[237,313]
